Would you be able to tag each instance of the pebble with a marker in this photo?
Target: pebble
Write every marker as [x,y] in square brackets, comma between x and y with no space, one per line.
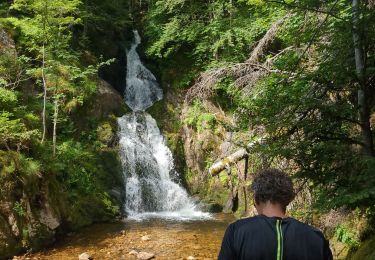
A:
[191,258]
[145,256]
[133,252]
[146,238]
[85,256]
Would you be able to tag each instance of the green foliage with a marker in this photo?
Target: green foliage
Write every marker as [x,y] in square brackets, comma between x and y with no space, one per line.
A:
[306,107]
[205,34]
[101,14]
[216,30]
[108,203]
[343,235]
[199,119]
[8,98]
[47,55]
[13,132]
[75,167]
[10,68]
[19,209]
[105,133]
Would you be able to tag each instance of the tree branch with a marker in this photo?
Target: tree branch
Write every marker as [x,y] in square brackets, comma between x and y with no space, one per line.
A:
[306,8]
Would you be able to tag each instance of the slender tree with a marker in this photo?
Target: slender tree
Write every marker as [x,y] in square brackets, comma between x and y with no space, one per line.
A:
[363,91]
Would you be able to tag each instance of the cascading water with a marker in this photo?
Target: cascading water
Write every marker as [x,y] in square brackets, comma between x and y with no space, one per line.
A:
[147,161]
[142,89]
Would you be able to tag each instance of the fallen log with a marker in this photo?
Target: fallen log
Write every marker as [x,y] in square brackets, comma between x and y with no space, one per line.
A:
[246,73]
[221,165]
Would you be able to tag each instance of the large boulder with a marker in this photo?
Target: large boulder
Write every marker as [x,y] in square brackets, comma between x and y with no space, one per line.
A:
[29,214]
[106,101]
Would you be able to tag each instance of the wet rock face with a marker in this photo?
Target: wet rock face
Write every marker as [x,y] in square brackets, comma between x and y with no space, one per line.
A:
[114,72]
[26,222]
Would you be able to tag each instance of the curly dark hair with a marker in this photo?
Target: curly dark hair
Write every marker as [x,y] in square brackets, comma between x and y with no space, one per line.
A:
[273,185]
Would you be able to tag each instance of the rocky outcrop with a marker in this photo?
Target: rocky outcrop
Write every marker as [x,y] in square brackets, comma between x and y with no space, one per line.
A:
[204,143]
[106,101]
[6,42]
[103,106]
[8,242]
[29,214]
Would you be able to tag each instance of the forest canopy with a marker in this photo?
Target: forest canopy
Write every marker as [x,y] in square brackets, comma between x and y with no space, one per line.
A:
[299,73]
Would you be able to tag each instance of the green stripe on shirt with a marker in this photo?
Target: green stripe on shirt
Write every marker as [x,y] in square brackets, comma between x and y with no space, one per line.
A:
[280,242]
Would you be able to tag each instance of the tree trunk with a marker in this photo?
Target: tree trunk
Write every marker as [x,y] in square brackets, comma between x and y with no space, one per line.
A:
[44,95]
[364,113]
[221,165]
[244,187]
[242,176]
[85,22]
[55,116]
[232,202]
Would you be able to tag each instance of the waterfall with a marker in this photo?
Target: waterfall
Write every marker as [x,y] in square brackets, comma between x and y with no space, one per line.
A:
[142,89]
[147,161]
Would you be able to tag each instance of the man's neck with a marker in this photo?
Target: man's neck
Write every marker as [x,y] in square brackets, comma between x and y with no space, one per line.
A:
[269,209]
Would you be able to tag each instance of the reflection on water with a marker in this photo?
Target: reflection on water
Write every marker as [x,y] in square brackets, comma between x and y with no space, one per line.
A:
[168,240]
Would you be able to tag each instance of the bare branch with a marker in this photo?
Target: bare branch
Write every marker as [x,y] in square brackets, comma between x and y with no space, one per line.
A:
[266,40]
[246,73]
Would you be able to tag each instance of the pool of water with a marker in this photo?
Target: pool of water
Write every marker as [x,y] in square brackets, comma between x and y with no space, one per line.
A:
[167,239]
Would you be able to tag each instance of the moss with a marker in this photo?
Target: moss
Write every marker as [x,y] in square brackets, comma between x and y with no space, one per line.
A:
[365,251]
[105,132]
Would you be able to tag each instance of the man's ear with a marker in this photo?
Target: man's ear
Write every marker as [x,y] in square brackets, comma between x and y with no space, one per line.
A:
[256,204]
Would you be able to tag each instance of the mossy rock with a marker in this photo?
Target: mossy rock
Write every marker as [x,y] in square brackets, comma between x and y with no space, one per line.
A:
[8,243]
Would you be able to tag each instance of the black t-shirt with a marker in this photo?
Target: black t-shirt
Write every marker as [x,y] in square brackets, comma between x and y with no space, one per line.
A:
[264,238]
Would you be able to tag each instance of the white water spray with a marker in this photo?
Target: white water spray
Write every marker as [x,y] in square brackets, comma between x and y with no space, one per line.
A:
[147,161]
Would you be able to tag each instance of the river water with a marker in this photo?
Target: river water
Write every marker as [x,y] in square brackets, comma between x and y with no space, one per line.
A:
[167,240]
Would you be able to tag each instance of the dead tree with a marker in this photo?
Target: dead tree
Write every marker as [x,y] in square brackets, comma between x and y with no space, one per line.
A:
[235,157]
[225,164]
[246,73]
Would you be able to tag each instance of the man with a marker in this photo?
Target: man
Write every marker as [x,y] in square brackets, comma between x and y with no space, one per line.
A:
[272,235]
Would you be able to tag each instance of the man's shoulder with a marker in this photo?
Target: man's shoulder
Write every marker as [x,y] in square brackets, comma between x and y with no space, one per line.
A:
[245,222]
[306,228]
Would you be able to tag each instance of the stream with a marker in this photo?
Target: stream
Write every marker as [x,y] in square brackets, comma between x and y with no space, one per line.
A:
[168,239]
